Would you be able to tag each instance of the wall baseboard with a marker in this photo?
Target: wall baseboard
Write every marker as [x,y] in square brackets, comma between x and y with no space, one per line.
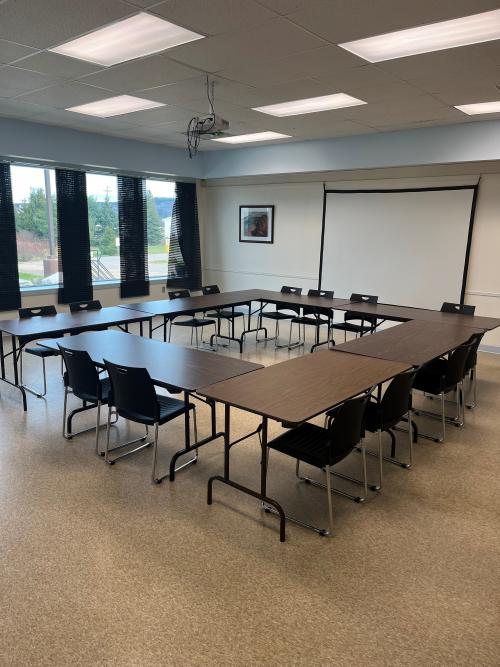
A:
[492,349]
[495,295]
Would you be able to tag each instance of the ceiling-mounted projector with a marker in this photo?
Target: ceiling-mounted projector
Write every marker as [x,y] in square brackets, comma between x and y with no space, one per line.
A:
[205,126]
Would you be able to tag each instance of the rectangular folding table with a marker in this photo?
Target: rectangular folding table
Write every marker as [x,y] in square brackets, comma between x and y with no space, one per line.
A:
[293,392]
[170,366]
[23,331]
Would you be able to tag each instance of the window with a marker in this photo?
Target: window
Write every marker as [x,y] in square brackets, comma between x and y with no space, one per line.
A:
[34,195]
[160,201]
[102,197]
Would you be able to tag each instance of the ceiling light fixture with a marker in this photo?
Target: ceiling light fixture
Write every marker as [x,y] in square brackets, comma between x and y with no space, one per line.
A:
[115,106]
[480,107]
[484,27]
[310,105]
[137,36]
[249,138]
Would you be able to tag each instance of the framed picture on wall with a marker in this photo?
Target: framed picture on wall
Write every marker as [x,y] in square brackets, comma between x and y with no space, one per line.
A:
[257,224]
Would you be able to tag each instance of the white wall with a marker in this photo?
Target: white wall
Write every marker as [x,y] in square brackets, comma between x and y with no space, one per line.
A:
[294,256]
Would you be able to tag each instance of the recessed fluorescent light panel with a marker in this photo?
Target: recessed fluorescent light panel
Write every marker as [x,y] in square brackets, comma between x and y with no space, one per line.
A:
[137,36]
[249,138]
[115,106]
[484,27]
[311,105]
[480,107]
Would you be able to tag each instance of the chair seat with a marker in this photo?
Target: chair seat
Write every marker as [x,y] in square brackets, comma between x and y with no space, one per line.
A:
[194,322]
[93,398]
[275,315]
[40,351]
[170,408]
[225,314]
[430,377]
[309,443]
[310,320]
[352,328]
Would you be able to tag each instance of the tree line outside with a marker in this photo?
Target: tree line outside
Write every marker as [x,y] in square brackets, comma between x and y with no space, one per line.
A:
[32,227]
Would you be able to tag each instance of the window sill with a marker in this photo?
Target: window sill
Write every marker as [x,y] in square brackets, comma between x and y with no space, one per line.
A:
[108,284]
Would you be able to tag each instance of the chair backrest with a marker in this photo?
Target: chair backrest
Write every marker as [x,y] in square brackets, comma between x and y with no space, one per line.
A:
[471,360]
[350,315]
[133,392]
[397,399]
[324,294]
[179,294]
[38,311]
[455,368]
[210,289]
[81,373]
[286,289]
[364,298]
[346,426]
[77,306]
[459,308]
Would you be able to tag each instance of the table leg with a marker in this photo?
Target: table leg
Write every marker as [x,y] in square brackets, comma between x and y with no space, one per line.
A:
[239,487]
[16,373]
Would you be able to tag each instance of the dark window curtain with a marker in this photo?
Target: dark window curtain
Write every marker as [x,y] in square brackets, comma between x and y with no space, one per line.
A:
[10,295]
[133,236]
[184,259]
[73,236]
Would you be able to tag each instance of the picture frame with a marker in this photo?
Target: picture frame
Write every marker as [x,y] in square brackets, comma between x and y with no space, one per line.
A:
[257,223]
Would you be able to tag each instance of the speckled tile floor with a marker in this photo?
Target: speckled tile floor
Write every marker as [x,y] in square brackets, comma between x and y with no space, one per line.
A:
[100,567]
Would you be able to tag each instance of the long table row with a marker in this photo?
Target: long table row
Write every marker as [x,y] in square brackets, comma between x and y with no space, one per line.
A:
[290,392]
[22,331]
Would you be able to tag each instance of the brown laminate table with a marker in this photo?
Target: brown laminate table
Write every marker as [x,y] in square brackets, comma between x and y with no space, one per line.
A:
[171,366]
[26,330]
[414,342]
[387,311]
[168,309]
[293,392]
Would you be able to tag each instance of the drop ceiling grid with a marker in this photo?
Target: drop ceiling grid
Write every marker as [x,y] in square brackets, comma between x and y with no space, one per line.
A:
[258,51]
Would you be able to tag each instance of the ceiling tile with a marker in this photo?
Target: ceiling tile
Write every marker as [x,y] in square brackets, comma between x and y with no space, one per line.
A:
[66,95]
[79,121]
[219,17]
[192,89]
[51,22]
[284,6]
[324,61]
[285,92]
[147,72]
[337,21]
[9,51]
[458,91]
[15,108]
[57,65]
[14,81]
[274,39]
[143,4]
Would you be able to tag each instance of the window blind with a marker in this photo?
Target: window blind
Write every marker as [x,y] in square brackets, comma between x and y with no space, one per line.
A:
[10,294]
[73,236]
[133,236]
[184,258]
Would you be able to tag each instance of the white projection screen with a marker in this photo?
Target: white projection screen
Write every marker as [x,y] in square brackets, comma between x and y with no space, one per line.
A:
[409,247]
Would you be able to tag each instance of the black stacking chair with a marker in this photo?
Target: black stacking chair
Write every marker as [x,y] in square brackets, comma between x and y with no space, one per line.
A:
[284,311]
[134,398]
[384,413]
[194,323]
[325,447]
[470,369]
[81,306]
[82,378]
[230,315]
[440,376]
[314,316]
[458,308]
[37,350]
[77,306]
[356,323]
